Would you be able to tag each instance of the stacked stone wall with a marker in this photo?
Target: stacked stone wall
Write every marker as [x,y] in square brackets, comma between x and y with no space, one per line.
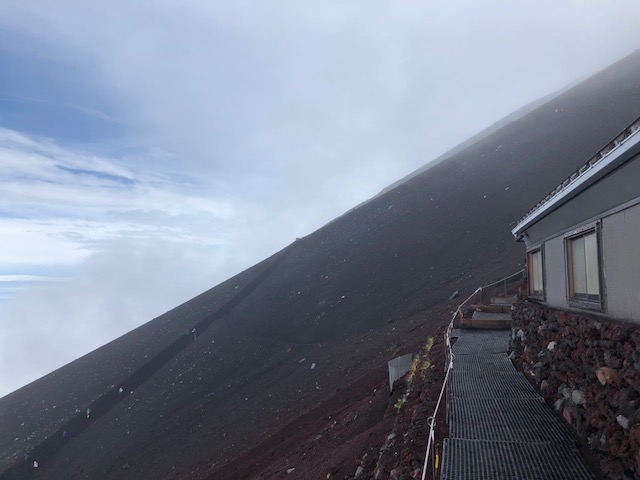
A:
[588,369]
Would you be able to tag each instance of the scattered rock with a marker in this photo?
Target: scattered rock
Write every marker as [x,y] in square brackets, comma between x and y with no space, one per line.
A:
[567,414]
[612,360]
[628,409]
[623,421]
[359,471]
[290,470]
[577,397]
[551,346]
[455,294]
[634,437]
[607,376]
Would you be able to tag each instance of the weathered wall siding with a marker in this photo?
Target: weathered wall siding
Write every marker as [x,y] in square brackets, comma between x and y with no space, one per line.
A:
[620,255]
[589,369]
[555,273]
[621,251]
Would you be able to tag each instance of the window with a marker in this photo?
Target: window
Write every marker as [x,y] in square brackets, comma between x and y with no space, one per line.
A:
[583,262]
[536,277]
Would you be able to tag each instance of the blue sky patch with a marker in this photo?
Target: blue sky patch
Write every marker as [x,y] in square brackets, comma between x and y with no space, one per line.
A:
[101,175]
[46,95]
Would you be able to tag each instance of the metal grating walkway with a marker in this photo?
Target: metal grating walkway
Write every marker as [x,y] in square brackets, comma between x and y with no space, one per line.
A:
[499,427]
[489,385]
[482,363]
[474,342]
[480,460]
[503,421]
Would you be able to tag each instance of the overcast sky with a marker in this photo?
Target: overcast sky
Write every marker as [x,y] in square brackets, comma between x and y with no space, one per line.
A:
[149,150]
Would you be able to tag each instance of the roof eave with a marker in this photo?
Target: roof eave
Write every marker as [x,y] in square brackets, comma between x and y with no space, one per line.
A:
[623,153]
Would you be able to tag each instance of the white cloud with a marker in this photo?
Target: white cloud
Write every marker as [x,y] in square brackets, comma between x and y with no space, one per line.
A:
[120,252]
[109,294]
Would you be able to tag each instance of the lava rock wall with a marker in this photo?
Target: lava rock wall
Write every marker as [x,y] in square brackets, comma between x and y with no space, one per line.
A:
[588,368]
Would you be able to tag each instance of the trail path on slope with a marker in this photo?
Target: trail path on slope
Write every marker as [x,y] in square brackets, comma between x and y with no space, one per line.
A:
[50,446]
[500,428]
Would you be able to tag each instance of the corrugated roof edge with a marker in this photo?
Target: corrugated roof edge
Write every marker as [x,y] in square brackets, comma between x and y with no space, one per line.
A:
[606,155]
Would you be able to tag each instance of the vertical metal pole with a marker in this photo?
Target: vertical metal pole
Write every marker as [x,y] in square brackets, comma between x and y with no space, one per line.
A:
[446,413]
[433,456]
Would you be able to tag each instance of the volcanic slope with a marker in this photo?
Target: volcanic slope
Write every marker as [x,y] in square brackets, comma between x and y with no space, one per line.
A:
[313,320]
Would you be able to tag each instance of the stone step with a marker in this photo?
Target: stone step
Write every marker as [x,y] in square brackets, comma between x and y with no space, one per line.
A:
[487,320]
[492,308]
[504,300]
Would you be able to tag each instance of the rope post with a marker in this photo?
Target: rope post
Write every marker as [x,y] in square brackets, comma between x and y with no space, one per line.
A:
[432,421]
[447,395]
[433,449]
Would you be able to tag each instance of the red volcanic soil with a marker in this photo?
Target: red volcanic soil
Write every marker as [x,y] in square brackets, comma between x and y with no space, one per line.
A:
[242,398]
[351,428]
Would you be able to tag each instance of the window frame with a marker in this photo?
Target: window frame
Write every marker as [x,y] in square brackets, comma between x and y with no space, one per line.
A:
[572,300]
[538,295]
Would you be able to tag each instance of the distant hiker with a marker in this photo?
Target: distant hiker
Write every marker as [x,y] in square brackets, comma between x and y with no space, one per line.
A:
[193,331]
[35,464]
[88,412]
[120,391]
[65,434]
[26,457]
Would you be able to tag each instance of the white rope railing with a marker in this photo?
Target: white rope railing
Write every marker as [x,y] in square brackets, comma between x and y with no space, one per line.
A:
[432,423]
[432,419]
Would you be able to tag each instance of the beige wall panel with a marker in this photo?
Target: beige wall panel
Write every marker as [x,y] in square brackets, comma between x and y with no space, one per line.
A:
[621,259]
